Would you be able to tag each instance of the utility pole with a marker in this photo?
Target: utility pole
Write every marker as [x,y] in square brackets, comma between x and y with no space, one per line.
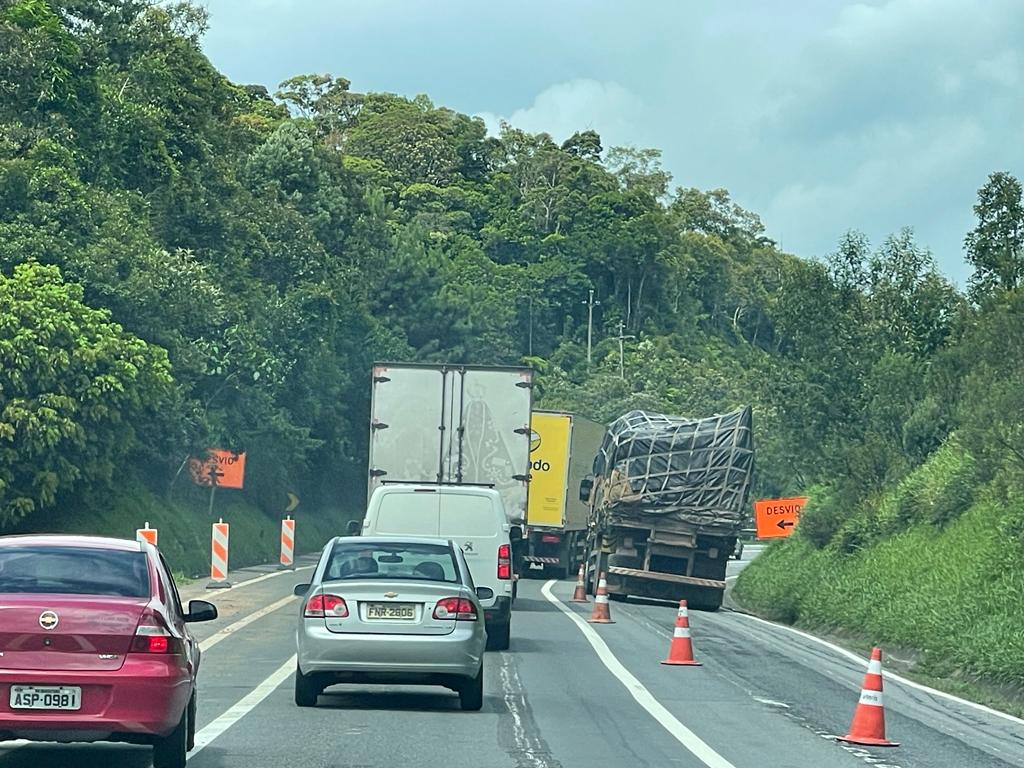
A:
[590,323]
[529,344]
[622,338]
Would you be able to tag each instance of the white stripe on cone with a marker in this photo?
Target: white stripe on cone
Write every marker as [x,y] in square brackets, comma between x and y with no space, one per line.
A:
[871,698]
[874,667]
[681,632]
[601,599]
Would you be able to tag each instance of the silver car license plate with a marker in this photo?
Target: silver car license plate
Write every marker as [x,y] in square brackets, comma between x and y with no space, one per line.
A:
[393,611]
[63,697]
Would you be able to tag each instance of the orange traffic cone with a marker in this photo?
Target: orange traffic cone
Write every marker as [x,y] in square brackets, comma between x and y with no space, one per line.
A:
[680,650]
[601,614]
[579,595]
[868,726]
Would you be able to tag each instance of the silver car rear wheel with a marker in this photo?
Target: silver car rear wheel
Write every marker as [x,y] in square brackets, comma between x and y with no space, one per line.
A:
[307,689]
[471,693]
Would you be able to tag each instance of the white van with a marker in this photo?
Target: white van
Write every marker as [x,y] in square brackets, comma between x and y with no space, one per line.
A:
[471,516]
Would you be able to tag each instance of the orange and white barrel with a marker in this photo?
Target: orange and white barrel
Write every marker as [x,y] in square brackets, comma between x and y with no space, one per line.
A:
[147,534]
[288,543]
[219,556]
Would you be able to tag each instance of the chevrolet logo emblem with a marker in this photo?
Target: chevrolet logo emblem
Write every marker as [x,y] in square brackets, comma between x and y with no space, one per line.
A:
[48,620]
[390,594]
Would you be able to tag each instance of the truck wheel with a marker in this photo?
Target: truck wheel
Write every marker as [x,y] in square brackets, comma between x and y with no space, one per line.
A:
[709,602]
[499,636]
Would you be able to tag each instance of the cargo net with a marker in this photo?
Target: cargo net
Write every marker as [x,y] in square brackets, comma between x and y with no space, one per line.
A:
[695,470]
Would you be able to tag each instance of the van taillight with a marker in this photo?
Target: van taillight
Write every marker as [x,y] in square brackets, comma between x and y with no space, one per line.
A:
[504,562]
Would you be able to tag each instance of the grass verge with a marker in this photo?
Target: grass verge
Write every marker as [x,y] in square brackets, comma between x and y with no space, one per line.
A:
[184,525]
[949,603]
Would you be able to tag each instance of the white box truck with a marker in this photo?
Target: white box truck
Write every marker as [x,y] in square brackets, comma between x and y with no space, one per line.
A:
[453,424]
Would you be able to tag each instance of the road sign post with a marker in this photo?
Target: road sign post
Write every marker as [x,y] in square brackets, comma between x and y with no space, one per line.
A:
[147,534]
[776,518]
[219,557]
[288,544]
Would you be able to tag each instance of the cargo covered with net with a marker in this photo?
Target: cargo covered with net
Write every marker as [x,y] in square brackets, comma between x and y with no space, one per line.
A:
[654,469]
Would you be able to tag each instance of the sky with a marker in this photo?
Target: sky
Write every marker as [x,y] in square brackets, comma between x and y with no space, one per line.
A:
[818,115]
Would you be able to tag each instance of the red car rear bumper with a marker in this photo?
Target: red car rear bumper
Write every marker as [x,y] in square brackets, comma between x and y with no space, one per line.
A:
[146,697]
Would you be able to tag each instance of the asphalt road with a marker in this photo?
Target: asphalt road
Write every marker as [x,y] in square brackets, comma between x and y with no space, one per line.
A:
[567,694]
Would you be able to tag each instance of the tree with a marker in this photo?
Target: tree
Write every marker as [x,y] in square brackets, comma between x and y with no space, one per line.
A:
[714,213]
[911,305]
[74,389]
[995,247]
[639,169]
[325,100]
[585,144]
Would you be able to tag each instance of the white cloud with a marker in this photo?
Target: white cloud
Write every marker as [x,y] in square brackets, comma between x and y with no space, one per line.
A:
[578,105]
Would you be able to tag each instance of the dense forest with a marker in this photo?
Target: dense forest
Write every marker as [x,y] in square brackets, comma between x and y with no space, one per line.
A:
[187,262]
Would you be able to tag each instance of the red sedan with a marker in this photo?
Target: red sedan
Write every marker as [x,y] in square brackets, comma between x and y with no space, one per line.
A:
[94,645]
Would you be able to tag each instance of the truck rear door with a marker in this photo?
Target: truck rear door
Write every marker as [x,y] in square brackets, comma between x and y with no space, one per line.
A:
[495,434]
[406,416]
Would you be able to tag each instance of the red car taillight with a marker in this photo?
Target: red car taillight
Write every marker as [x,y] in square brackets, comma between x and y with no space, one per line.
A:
[326,606]
[153,636]
[458,608]
[504,562]
[550,538]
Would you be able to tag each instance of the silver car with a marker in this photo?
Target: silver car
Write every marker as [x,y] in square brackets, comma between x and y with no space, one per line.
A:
[398,610]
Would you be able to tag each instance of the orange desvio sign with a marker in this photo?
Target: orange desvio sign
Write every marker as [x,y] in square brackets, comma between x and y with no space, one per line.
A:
[777,517]
[224,469]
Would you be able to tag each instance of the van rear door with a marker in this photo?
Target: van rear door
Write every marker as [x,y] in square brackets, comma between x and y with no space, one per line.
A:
[471,521]
[407,513]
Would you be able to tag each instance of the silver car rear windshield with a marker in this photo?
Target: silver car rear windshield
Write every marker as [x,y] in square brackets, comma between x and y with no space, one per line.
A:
[73,571]
[422,562]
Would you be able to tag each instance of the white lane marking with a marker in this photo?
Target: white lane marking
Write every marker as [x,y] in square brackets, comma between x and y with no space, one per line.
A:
[888,675]
[229,630]
[691,741]
[247,704]
[520,735]
[264,577]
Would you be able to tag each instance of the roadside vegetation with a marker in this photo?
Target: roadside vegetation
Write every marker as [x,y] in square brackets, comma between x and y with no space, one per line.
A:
[188,263]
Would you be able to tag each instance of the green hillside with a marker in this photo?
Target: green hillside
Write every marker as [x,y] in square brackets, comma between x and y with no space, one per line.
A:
[190,263]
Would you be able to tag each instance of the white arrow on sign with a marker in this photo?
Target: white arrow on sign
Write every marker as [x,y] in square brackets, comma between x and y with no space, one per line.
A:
[293,502]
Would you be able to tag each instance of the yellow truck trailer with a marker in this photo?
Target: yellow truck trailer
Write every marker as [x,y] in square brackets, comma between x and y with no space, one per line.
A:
[562,451]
